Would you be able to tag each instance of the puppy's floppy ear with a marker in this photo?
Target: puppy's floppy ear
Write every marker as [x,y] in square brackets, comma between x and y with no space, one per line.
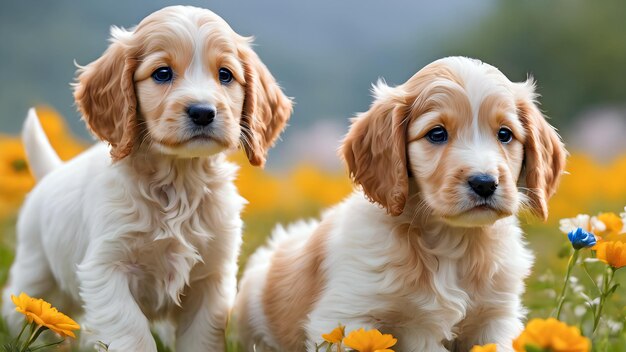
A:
[544,153]
[105,95]
[265,109]
[375,150]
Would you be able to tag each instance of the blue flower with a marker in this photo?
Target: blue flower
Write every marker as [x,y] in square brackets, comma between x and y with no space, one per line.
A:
[581,238]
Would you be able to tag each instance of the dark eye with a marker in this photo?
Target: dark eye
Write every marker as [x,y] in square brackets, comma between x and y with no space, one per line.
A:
[163,75]
[437,135]
[225,75]
[505,135]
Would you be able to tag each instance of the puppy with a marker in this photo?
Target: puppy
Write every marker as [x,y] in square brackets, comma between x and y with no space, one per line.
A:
[430,250]
[149,228]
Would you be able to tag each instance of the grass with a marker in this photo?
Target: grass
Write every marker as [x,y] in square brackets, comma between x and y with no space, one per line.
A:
[549,245]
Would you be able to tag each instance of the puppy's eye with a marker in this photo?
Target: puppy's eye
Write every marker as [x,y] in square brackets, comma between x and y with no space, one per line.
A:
[437,135]
[163,75]
[225,75]
[505,135]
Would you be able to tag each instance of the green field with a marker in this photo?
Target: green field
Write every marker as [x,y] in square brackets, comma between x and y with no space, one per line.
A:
[549,245]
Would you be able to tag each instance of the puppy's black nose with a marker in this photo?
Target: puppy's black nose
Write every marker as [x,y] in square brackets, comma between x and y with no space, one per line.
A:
[201,114]
[484,185]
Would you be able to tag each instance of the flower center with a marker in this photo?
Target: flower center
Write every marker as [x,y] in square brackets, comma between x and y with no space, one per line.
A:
[19,165]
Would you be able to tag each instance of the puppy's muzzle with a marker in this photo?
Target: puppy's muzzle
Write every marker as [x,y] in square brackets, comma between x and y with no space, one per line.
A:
[201,114]
[483,184]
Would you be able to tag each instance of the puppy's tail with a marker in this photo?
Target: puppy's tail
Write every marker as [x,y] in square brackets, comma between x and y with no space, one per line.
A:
[40,155]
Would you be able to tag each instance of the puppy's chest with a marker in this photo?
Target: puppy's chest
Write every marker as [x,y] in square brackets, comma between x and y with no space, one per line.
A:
[173,253]
[445,282]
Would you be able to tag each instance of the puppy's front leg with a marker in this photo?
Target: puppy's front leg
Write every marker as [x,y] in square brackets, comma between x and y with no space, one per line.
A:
[420,343]
[484,325]
[204,314]
[111,314]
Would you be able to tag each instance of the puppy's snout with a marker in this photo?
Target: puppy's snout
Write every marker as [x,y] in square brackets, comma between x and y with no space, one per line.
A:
[201,114]
[483,184]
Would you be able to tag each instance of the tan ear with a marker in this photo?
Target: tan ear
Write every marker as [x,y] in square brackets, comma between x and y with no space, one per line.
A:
[265,109]
[105,95]
[375,152]
[544,155]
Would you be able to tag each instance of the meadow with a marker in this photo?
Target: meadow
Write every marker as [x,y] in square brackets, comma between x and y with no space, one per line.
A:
[588,188]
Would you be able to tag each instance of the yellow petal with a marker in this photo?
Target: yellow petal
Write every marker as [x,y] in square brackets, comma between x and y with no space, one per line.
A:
[336,335]
[485,348]
[369,341]
[612,253]
[42,313]
[612,222]
[552,335]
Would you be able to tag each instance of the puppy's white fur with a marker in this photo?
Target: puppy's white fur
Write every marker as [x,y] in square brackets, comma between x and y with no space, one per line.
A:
[148,229]
[437,266]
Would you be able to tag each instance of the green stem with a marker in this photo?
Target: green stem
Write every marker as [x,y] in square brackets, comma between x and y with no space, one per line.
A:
[48,345]
[17,339]
[607,277]
[39,331]
[30,334]
[586,271]
[572,260]
[33,336]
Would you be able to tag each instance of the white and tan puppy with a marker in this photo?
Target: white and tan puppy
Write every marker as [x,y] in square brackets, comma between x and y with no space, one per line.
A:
[430,249]
[149,228]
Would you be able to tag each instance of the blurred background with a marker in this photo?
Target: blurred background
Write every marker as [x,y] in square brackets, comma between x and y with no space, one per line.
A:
[326,54]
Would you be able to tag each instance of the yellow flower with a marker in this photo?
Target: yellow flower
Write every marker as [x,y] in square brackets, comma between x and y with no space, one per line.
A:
[43,314]
[552,335]
[369,341]
[336,335]
[614,227]
[486,348]
[612,222]
[15,179]
[612,253]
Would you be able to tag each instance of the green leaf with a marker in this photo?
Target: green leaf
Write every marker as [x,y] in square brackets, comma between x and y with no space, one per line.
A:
[161,347]
[47,345]
[611,290]
[7,347]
